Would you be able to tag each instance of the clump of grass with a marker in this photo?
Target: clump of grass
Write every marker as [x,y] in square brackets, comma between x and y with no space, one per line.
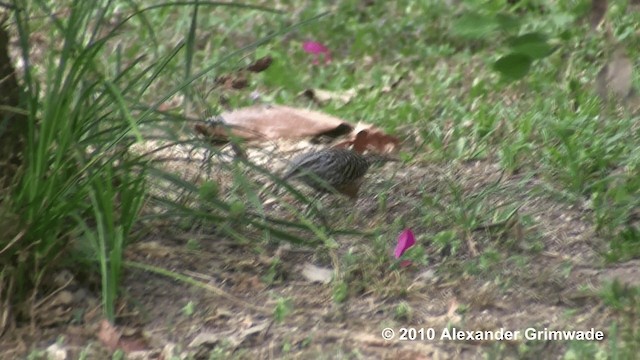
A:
[624,335]
[76,173]
[77,200]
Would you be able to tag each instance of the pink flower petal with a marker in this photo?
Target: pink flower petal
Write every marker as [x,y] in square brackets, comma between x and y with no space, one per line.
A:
[314,47]
[405,241]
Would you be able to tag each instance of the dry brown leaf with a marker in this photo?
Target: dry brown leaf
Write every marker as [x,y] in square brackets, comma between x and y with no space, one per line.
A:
[272,122]
[132,344]
[236,81]
[368,137]
[211,339]
[283,122]
[239,83]
[108,335]
[145,355]
[261,64]
[614,79]
[220,315]
[174,102]
[235,338]
[151,249]
[317,274]
[113,339]
[246,283]
[56,309]
[453,307]
[255,329]
[56,352]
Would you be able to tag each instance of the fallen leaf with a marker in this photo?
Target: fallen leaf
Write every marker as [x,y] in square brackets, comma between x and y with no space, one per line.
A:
[317,274]
[235,338]
[169,352]
[239,83]
[314,47]
[56,352]
[108,335]
[255,329]
[208,339]
[271,122]
[232,82]
[151,249]
[174,102]
[113,339]
[56,309]
[426,276]
[247,283]
[129,331]
[219,316]
[368,137]
[513,66]
[453,307]
[406,239]
[222,79]
[317,49]
[268,122]
[132,344]
[261,64]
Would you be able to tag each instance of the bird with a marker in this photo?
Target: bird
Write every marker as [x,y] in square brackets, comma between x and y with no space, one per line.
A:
[333,170]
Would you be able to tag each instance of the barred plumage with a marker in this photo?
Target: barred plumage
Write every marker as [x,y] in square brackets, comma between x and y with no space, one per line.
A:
[332,168]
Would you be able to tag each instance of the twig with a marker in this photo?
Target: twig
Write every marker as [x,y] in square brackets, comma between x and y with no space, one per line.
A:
[13,241]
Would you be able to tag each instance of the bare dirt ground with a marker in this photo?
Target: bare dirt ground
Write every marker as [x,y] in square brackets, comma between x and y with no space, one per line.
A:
[234,318]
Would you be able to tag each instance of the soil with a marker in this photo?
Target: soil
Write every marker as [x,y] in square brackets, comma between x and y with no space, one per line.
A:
[233,314]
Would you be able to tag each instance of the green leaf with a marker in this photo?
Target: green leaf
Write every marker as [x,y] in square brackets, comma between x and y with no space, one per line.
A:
[208,190]
[513,66]
[474,26]
[508,22]
[533,44]
[562,20]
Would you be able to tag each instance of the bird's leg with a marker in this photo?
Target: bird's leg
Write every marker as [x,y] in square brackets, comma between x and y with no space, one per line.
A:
[316,206]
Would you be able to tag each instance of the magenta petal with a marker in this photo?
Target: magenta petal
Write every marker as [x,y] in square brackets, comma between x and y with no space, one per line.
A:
[314,47]
[405,241]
